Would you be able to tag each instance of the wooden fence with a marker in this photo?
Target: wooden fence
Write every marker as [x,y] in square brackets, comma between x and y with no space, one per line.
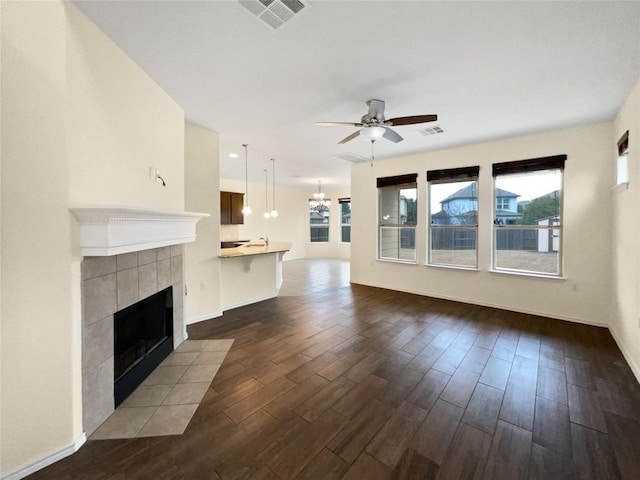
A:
[465,239]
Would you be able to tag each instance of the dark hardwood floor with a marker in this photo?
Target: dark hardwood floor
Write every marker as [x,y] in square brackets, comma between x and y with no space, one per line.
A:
[332,380]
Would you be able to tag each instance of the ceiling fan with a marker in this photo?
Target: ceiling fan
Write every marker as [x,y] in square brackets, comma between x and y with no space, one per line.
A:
[375,126]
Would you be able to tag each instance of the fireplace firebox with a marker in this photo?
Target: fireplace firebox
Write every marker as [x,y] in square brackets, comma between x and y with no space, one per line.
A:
[143,337]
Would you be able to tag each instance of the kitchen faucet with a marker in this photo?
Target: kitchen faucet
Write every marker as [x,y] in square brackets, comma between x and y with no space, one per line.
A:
[266,240]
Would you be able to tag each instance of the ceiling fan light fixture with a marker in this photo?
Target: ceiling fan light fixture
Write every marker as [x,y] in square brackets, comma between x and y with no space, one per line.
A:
[372,133]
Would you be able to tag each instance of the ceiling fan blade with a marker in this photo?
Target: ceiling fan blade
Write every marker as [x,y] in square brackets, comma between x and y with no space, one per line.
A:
[391,135]
[353,124]
[411,120]
[350,137]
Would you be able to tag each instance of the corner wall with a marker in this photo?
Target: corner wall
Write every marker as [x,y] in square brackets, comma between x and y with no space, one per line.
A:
[582,296]
[625,288]
[121,123]
[202,194]
[81,123]
[40,326]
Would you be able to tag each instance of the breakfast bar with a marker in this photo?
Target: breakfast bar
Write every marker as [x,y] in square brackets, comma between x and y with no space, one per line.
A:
[251,272]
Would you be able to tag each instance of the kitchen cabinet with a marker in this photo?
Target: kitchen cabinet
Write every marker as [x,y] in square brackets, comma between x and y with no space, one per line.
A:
[231,204]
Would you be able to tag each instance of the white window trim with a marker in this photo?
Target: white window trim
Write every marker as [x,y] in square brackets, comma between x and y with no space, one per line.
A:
[429,263]
[622,169]
[379,228]
[527,273]
[344,224]
[524,273]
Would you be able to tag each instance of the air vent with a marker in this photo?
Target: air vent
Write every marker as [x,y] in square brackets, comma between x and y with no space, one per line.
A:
[352,157]
[436,129]
[274,13]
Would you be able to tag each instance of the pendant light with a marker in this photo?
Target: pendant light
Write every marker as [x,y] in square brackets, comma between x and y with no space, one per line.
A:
[266,195]
[274,212]
[246,210]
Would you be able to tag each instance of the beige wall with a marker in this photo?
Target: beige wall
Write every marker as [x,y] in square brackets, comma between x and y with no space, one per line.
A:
[202,194]
[625,290]
[80,125]
[36,248]
[582,296]
[121,123]
[292,224]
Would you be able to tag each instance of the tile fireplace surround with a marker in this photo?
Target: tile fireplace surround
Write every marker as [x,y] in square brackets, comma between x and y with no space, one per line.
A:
[109,284]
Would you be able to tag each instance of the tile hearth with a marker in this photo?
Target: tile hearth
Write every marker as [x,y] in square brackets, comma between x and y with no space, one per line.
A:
[165,402]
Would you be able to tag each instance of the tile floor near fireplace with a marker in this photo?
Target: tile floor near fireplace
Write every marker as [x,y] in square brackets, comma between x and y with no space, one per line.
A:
[165,402]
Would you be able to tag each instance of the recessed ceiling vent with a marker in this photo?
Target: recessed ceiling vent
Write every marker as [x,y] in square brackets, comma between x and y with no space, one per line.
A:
[436,129]
[352,157]
[274,13]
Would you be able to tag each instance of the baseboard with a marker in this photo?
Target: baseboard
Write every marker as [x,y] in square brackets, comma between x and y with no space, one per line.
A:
[202,318]
[493,305]
[49,460]
[249,302]
[625,353]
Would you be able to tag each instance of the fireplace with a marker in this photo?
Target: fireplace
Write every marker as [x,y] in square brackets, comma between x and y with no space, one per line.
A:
[143,337]
[112,284]
[128,255]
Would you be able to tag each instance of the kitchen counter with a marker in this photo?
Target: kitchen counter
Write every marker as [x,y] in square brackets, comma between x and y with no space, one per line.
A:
[255,248]
[251,273]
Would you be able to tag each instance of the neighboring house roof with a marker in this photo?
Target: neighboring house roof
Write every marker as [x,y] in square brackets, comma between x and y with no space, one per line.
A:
[471,191]
[443,214]
[507,213]
[440,214]
[504,193]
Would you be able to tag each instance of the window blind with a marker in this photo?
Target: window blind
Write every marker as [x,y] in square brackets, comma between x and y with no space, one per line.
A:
[397,180]
[623,143]
[449,174]
[529,165]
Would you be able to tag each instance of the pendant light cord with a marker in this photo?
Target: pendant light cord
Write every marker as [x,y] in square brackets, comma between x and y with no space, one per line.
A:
[266,194]
[372,153]
[246,174]
[273,161]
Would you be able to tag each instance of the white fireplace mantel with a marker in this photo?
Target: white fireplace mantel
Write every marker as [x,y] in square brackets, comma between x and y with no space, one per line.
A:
[113,230]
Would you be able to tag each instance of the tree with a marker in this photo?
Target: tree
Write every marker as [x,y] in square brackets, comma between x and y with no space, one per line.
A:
[412,211]
[541,207]
[462,214]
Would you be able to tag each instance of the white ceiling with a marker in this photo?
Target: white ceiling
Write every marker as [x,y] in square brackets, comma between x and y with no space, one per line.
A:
[490,70]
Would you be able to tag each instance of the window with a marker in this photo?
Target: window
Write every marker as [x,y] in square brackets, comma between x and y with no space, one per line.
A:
[319,211]
[345,219]
[397,217]
[502,203]
[622,168]
[528,236]
[453,216]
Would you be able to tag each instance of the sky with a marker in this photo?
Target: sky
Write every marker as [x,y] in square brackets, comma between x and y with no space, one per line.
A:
[528,186]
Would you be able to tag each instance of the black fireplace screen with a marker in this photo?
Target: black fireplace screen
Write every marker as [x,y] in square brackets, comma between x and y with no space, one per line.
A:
[143,337]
